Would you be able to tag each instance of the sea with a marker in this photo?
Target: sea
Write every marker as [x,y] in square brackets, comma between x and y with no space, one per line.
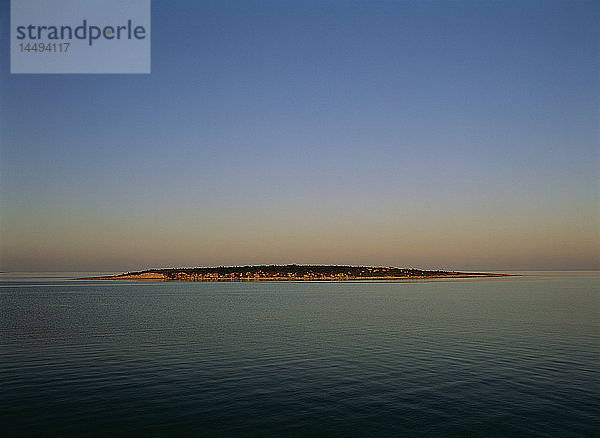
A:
[513,356]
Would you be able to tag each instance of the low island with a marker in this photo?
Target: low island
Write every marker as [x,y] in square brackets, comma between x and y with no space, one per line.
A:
[290,273]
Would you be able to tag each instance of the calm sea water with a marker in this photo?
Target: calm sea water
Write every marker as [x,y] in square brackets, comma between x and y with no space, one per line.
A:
[489,357]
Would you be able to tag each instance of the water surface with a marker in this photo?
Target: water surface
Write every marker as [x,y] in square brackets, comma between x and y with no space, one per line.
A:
[493,357]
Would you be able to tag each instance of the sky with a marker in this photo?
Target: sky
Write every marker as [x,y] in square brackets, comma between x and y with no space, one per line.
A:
[446,135]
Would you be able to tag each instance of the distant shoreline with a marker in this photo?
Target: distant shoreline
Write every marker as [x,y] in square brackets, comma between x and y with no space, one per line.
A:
[289,273]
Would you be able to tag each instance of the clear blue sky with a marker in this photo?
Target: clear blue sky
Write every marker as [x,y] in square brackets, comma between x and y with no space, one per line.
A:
[459,135]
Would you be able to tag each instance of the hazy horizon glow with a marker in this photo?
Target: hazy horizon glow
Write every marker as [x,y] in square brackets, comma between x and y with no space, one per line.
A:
[451,135]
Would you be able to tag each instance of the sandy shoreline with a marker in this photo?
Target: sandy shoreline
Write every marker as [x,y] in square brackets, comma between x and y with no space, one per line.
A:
[155,276]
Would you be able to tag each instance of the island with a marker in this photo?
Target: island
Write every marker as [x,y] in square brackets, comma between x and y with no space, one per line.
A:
[290,273]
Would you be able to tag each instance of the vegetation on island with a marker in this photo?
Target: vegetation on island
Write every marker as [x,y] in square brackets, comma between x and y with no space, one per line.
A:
[291,273]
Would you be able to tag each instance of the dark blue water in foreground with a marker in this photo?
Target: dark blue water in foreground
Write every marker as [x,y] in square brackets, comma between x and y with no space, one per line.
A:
[491,357]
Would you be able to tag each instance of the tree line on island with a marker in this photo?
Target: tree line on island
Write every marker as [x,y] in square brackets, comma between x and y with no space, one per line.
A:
[294,272]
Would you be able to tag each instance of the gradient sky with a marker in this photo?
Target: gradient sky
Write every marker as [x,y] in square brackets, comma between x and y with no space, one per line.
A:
[454,135]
